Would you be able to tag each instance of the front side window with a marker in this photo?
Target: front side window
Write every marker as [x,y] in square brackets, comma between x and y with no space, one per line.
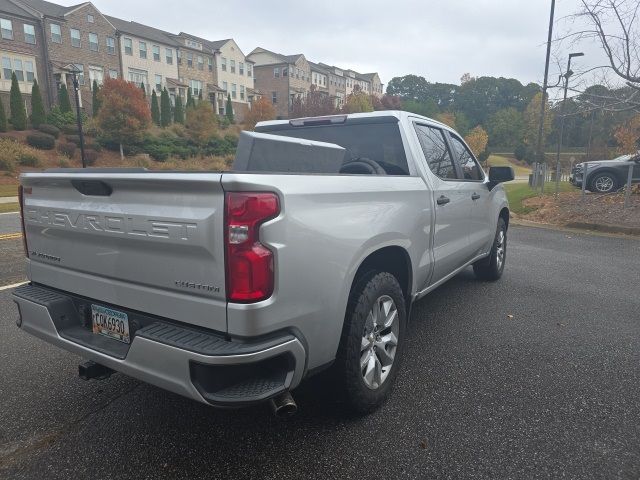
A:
[233,66]
[241,68]
[274,97]
[196,87]
[17,68]
[111,45]
[28,70]
[284,71]
[6,68]
[113,74]
[233,90]
[169,56]
[143,49]
[138,76]
[95,74]
[6,27]
[128,46]
[80,72]
[75,37]
[190,59]
[200,62]
[248,70]
[210,64]
[158,83]
[223,64]
[156,53]
[276,72]
[56,33]
[93,42]
[436,152]
[241,92]
[29,34]
[463,157]
[90,18]
[225,86]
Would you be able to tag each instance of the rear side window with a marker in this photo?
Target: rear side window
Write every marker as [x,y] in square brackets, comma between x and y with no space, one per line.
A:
[468,165]
[436,152]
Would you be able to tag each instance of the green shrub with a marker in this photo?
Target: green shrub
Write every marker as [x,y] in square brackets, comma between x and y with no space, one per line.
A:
[70,129]
[28,160]
[68,149]
[42,141]
[64,161]
[90,157]
[60,118]
[49,129]
[223,122]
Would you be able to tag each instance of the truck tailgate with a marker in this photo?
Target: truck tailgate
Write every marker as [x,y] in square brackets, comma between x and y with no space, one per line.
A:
[148,241]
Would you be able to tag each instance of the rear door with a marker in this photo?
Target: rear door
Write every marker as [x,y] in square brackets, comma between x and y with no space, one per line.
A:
[481,226]
[452,205]
[147,241]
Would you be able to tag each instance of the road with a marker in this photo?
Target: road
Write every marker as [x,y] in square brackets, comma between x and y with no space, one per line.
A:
[550,392]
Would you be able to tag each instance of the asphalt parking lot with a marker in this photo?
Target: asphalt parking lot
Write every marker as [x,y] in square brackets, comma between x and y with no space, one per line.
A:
[534,376]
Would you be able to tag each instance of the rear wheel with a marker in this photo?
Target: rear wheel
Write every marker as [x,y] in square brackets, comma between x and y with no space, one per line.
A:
[372,341]
[603,183]
[491,268]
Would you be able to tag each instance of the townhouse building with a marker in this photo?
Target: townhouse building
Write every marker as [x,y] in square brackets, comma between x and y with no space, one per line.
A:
[234,76]
[337,84]
[22,50]
[319,77]
[149,57]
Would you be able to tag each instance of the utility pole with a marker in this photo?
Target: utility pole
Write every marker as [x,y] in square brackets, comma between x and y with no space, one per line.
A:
[76,87]
[539,154]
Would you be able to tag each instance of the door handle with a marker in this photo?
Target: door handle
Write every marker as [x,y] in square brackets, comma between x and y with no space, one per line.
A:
[442,200]
[475,196]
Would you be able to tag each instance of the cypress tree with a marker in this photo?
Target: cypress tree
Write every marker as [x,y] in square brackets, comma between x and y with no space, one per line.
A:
[165,108]
[3,118]
[63,99]
[189,99]
[155,110]
[95,99]
[200,95]
[38,115]
[144,90]
[18,112]
[178,111]
[229,109]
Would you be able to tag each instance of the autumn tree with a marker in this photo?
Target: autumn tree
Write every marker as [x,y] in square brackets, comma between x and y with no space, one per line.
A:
[391,102]
[316,103]
[124,115]
[155,109]
[628,136]
[63,99]
[261,110]
[357,102]
[448,118]
[531,120]
[165,108]
[38,115]
[477,140]
[16,104]
[201,123]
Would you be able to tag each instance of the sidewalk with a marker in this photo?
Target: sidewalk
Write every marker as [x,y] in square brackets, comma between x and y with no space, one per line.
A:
[8,199]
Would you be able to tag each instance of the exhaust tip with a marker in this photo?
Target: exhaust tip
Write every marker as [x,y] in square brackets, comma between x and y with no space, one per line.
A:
[283,405]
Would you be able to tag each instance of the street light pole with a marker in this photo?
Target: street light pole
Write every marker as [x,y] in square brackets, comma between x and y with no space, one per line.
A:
[539,155]
[562,109]
[76,87]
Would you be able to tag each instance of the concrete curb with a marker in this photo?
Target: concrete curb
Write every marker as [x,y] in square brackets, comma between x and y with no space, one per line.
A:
[578,227]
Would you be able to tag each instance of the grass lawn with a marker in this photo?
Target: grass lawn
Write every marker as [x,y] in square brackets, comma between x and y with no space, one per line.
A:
[8,190]
[9,207]
[517,192]
[500,161]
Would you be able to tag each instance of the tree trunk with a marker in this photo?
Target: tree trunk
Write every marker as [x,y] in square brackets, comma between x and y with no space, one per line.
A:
[121,153]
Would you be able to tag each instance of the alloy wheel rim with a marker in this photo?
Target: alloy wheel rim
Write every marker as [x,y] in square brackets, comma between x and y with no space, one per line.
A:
[379,342]
[501,247]
[604,184]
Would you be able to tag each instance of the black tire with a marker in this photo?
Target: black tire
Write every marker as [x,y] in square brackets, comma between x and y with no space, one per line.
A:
[490,268]
[347,371]
[610,178]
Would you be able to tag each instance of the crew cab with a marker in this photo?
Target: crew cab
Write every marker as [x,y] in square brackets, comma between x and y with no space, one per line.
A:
[232,287]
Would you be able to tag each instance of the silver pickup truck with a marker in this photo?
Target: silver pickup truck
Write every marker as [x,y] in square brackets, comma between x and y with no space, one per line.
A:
[230,288]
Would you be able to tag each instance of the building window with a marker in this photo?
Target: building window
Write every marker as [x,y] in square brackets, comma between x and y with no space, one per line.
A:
[285,71]
[142,46]
[169,56]
[225,87]
[128,46]
[210,63]
[90,18]
[6,26]
[248,70]
[223,64]
[93,42]
[274,97]
[189,59]
[241,68]
[80,72]
[233,66]
[158,83]
[113,74]
[155,49]
[6,68]
[28,70]
[95,74]
[179,56]
[75,37]
[17,69]
[241,92]
[56,33]
[200,62]
[138,76]
[111,45]
[233,91]
[29,34]
[276,72]
[196,87]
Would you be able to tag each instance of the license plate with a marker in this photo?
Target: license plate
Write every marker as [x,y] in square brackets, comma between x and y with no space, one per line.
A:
[110,323]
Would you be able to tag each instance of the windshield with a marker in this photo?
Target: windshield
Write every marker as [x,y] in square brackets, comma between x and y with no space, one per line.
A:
[380,142]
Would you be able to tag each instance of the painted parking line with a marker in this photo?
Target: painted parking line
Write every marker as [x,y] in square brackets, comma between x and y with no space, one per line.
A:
[10,213]
[10,236]
[14,285]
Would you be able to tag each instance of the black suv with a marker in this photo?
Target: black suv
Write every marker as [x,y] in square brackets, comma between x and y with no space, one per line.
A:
[605,176]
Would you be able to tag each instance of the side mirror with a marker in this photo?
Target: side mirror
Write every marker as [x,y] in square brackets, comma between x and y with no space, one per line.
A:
[500,175]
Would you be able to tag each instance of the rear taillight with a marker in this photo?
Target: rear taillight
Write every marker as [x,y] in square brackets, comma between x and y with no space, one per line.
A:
[22,191]
[249,264]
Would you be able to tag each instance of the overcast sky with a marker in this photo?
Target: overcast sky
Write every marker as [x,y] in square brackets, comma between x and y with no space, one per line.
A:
[439,40]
